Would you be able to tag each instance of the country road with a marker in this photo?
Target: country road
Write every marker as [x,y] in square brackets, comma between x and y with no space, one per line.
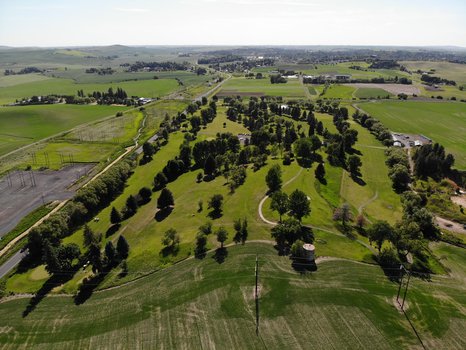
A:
[11,263]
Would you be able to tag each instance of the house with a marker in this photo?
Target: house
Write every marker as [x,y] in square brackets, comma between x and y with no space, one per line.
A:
[342,77]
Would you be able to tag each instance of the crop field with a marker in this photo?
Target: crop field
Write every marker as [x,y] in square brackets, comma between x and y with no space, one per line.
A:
[446,70]
[204,304]
[261,87]
[447,92]
[23,125]
[144,88]
[344,68]
[81,77]
[371,93]
[441,121]
[12,80]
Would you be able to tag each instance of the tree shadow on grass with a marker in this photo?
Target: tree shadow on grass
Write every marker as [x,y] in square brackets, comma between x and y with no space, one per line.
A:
[87,288]
[170,250]
[54,281]
[220,255]
[347,230]
[322,180]
[305,162]
[200,253]
[215,214]
[162,214]
[112,230]
[356,178]
[303,266]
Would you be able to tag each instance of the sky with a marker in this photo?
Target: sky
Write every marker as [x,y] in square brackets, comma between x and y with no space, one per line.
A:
[233,22]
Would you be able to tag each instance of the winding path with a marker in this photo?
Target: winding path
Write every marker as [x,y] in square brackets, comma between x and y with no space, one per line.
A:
[274,223]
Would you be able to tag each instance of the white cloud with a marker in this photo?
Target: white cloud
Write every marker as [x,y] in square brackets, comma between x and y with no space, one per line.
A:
[135,10]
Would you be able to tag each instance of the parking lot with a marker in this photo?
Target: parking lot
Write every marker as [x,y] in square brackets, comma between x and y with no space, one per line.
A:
[21,192]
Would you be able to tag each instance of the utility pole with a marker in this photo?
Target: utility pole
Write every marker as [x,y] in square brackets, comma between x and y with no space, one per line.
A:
[403,271]
[406,291]
[401,282]
[256,294]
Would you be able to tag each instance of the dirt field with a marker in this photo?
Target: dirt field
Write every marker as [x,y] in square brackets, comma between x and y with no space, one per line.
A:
[18,196]
[391,88]
[234,93]
[450,225]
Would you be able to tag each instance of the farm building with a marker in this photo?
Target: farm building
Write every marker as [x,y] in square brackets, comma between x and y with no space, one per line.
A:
[342,77]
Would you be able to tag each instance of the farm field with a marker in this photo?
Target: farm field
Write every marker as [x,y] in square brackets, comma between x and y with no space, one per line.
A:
[144,88]
[441,121]
[336,91]
[371,93]
[446,70]
[198,303]
[81,77]
[261,87]
[342,68]
[23,125]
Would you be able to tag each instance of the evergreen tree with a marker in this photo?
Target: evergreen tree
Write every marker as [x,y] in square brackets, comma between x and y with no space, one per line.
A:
[274,178]
[122,247]
[320,172]
[115,216]
[165,199]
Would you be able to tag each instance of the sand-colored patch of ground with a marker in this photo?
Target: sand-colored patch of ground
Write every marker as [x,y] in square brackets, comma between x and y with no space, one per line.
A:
[391,88]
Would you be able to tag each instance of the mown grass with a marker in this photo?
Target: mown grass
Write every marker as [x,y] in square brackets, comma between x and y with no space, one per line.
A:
[443,122]
[203,304]
[24,125]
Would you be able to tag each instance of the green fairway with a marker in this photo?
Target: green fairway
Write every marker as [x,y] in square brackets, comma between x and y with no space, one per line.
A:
[23,125]
[261,87]
[444,123]
[371,93]
[203,304]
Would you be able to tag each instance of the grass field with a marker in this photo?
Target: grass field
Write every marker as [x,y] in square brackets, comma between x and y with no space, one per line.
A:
[444,123]
[143,88]
[23,125]
[261,87]
[344,92]
[203,304]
